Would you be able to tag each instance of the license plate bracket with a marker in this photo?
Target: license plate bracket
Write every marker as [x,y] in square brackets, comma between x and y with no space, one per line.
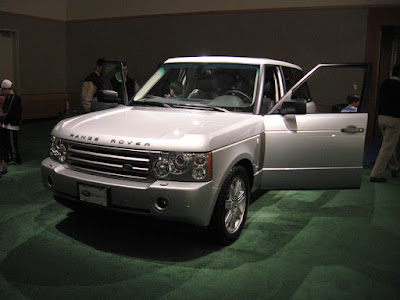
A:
[93,194]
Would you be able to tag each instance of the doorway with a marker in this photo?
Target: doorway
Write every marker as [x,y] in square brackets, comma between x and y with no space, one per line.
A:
[9,58]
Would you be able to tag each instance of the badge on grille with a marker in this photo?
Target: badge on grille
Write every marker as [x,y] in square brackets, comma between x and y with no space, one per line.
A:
[127,167]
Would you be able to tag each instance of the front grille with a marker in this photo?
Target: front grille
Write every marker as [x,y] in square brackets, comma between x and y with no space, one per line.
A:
[109,161]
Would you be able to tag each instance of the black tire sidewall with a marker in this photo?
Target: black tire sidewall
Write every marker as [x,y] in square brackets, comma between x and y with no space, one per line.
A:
[217,224]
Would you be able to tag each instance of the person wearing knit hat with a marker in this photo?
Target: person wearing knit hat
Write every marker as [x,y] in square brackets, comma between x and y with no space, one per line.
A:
[11,121]
[6,84]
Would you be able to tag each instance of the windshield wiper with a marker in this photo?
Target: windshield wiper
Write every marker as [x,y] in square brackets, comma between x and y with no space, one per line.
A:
[149,103]
[200,106]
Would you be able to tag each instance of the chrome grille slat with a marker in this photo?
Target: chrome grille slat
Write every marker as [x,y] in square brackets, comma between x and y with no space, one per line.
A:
[105,164]
[110,174]
[109,155]
[109,161]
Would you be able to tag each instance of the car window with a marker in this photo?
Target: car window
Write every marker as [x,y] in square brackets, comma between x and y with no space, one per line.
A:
[331,84]
[270,89]
[291,76]
[335,90]
[226,85]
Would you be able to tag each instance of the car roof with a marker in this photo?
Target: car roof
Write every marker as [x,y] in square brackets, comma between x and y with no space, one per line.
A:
[231,59]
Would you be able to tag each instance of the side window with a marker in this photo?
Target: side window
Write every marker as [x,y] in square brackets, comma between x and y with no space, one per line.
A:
[336,89]
[291,77]
[270,90]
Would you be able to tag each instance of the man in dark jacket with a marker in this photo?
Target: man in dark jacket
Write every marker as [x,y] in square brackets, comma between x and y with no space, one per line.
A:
[91,85]
[389,123]
[11,121]
[132,87]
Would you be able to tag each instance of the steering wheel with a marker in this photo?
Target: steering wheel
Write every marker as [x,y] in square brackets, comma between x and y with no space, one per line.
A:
[244,96]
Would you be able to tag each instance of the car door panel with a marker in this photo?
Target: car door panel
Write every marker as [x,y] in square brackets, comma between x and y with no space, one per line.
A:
[313,151]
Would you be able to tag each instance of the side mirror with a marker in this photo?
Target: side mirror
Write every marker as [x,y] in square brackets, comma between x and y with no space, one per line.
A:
[108,96]
[295,106]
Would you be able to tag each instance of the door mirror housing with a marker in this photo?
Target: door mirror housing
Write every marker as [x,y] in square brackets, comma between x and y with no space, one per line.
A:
[108,96]
[295,106]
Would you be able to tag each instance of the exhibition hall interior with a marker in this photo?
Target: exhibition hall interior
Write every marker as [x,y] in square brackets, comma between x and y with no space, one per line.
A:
[223,211]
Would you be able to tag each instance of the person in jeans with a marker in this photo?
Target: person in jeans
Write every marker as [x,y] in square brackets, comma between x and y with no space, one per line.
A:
[3,156]
[389,123]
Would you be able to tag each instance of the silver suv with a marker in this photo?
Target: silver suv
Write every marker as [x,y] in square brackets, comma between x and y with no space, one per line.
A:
[200,135]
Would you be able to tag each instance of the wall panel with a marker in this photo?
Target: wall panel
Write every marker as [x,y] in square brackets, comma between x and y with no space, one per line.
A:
[304,37]
[42,53]
[55,56]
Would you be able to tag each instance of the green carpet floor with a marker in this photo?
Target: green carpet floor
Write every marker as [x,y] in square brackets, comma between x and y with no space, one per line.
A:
[335,244]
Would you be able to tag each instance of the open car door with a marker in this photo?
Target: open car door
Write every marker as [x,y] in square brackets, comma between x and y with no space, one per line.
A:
[318,147]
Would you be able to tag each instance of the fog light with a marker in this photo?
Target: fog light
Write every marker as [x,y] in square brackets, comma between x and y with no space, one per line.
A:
[50,181]
[161,204]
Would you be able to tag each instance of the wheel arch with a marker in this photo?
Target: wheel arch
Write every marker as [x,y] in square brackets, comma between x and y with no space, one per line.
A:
[227,223]
[223,163]
[247,165]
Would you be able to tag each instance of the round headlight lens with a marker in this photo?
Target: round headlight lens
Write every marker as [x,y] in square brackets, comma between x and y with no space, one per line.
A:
[62,153]
[181,160]
[58,151]
[161,168]
[58,143]
[200,160]
[199,173]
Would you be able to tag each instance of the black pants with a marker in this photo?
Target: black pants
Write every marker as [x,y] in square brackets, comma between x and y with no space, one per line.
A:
[3,151]
[9,150]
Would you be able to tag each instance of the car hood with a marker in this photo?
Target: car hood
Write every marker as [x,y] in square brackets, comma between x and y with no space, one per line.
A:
[154,128]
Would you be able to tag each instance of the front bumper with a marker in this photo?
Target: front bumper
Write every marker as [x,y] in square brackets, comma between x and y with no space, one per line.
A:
[190,202]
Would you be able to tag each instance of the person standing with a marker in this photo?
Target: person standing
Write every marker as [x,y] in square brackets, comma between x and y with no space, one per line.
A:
[353,101]
[3,156]
[12,113]
[389,123]
[91,84]
[132,87]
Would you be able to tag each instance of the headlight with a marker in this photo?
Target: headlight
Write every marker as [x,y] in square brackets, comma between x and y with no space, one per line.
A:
[58,151]
[183,166]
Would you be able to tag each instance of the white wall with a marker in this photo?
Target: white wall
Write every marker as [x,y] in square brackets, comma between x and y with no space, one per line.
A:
[69,10]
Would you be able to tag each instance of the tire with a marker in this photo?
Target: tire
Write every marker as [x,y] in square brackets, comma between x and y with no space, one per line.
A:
[230,211]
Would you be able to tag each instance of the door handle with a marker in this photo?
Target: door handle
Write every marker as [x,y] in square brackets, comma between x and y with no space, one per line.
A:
[352,129]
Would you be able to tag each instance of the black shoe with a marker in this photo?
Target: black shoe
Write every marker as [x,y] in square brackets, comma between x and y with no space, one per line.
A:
[377,179]
[395,173]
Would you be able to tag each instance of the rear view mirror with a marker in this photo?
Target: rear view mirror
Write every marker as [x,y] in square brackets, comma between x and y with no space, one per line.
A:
[296,106]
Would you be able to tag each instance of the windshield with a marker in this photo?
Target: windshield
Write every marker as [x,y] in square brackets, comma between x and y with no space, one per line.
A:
[222,85]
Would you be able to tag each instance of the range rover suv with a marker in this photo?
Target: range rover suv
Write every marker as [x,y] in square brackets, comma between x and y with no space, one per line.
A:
[199,137]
